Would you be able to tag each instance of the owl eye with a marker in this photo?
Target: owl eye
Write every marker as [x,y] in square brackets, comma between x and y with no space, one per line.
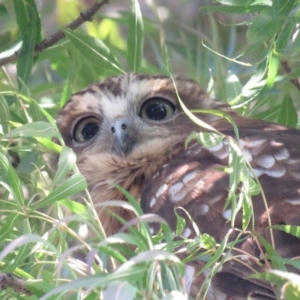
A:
[157,109]
[86,129]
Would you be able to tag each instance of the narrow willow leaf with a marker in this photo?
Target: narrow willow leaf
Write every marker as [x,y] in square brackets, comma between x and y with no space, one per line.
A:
[120,290]
[98,280]
[26,11]
[76,207]
[292,229]
[4,114]
[273,66]
[7,227]
[34,129]
[10,176]
[94,50]
[288,114]
[73,185]
[262,28]
[234,9]
[24,240]
[66,162]
[272,253]
[30,29]
[28,162]
[3,11]
[245,2]
[67,87]
[135,41]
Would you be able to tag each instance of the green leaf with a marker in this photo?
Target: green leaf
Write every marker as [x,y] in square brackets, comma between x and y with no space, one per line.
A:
[246,2]
[234,9]
[29,25]
[4,114]
[263,28]
[34,129]
[120,290]
[93,50]
[3,11]
[72,186]
[288,114]
[291,229]
[135,39]
[11,177]
[66,162]
[10,222]
[28,162]
[74,206]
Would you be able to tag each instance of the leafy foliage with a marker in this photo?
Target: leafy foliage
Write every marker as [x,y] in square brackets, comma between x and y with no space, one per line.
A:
[252,62]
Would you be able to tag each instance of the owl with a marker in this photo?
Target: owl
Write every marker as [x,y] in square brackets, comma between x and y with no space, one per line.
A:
[131,131]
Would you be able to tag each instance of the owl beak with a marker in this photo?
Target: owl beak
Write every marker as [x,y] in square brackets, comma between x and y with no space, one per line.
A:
[124,137]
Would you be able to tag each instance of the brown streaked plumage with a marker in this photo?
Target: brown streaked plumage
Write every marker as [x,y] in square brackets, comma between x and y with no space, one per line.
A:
[130,130]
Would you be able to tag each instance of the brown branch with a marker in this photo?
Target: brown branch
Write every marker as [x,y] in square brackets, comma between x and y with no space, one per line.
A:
[84,16]
[9,281]
[287,69]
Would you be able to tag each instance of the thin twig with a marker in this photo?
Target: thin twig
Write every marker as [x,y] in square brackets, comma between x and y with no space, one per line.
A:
[84,16]
[18,284]
[287,69]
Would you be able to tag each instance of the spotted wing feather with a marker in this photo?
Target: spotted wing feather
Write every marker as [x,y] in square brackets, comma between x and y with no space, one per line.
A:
[195,181]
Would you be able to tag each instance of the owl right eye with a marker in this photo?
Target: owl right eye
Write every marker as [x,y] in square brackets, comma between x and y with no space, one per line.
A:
[86,129]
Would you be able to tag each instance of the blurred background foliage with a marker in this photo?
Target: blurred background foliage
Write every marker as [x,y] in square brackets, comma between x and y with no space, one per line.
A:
[243,52]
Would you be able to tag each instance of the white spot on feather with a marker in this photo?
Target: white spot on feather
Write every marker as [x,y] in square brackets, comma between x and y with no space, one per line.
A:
[189,176]
[161,190]
[265,161]
[282,154]
[189,273]
[186,232]
[152,201]
[203,209]
[226,214]
[275,173]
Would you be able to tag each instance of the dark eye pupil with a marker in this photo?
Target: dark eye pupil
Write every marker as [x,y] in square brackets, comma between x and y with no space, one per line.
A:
[156,111]
[89,130]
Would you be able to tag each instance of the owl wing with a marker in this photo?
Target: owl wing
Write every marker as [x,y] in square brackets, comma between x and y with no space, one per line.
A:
[196,180]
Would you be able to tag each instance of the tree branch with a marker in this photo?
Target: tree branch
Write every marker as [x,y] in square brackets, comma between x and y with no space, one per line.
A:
[84,16]
[8,280]
[287,69]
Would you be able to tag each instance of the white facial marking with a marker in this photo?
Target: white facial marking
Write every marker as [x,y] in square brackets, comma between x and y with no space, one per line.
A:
[161,190]
[265,161]
[203,209]
[186,232]
[114,109]
[282,154]
[152,201]
[189,176]
[226,214]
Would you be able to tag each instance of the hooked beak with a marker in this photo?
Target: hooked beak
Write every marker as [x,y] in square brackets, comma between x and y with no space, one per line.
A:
[124,137]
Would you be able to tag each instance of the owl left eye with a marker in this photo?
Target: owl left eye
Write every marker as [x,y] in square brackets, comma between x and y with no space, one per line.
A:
[157,109]
[86,129]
